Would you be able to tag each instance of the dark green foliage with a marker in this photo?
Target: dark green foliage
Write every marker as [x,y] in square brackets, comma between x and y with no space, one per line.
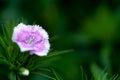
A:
[90,28]
[13,59]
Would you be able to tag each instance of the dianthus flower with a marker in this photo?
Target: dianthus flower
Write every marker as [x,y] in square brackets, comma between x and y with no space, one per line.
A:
[31,38]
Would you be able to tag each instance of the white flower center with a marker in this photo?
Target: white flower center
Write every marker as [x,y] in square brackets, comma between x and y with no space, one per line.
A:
[30,41]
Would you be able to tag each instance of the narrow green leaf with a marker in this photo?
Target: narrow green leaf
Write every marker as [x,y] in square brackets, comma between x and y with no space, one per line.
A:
[2,42]
[56,75]
[82,73]
[55,53]
[44,75]
[18,78]
[114,77]
[98,73]
[118,78]
[40,69]
[5,62]
[86,77]
[44,69]
[12,76]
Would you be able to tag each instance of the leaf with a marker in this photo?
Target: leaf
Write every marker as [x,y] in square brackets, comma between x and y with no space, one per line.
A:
[18,78]
[44,69]
[55,53]
[2,42]
[12,76]
[98,73]
[44,75]
[82,72]
[56,75]
[118,78]
[5,62]
[114,77]
[38,68]
[83,75]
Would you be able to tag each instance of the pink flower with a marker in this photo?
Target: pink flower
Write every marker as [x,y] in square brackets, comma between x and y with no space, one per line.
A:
[31,38]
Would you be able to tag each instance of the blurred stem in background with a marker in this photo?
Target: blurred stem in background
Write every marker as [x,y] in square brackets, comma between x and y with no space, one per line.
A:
[105,54]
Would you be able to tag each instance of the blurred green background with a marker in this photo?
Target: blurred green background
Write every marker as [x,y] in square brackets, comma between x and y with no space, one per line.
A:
[89,27]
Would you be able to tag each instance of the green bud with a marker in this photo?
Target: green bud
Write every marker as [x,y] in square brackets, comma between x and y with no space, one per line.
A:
[23,71]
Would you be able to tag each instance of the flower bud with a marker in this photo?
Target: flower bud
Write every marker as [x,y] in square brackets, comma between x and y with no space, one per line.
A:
[23,71]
